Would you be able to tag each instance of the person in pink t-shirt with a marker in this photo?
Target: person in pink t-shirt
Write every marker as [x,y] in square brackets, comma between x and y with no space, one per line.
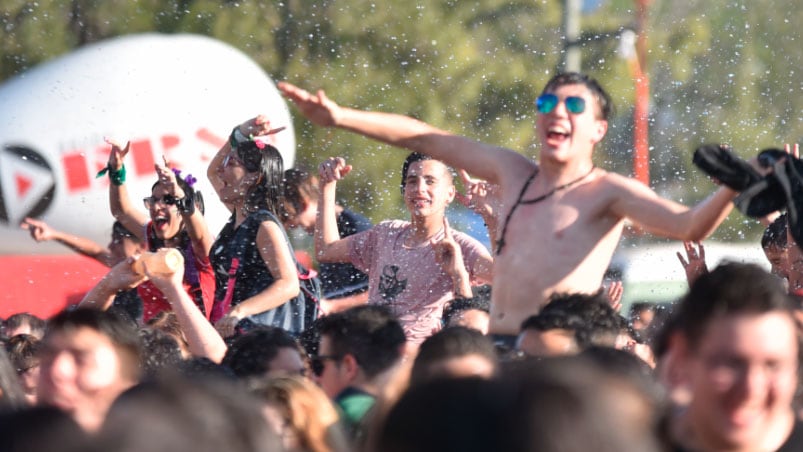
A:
[415,266]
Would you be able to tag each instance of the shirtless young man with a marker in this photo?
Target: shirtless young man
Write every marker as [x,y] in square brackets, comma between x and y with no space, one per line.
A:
[562,216]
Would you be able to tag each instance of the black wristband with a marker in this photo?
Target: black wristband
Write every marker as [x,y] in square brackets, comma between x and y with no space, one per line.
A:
[186,205]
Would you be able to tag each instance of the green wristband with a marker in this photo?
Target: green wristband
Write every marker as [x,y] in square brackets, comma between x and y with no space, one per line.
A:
[117,177]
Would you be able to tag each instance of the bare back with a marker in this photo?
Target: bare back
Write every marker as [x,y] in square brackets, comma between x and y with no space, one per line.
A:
[563,243]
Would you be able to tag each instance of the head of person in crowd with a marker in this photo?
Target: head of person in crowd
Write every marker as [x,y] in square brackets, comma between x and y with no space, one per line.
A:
[177,414]
[41,429]
[739,350]
[24,323]
[601,324]
[162,207]
[12,396]
[774,243]
[87,358]
[468,312]
[123,244]
[546,405]
[202,367]
[627,366]
[427,185]
[252,175]
[356,347]
[604,104]
[300,413]
[455,352]
[167,322]
[300,199]
[160,352]
[549,334]
[23,351]
[641,315]
[265,350]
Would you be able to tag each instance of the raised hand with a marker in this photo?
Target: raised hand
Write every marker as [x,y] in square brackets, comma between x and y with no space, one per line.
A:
[449,256]
[118,153]
[167,179]
[318,108]
[695,266]
[259,126]
[794,150]
[39,230]
[482,197]
[333,169]
[615,291]
[227,325]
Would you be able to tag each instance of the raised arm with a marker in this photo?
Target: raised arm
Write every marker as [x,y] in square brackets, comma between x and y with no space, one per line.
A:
[119,201]
[42,232]
[487,162]
[484,199]
[276,254]
[450,257]
[202,338]
[254,127]
[194,221]
[329,247]
[121,277]
[666,218]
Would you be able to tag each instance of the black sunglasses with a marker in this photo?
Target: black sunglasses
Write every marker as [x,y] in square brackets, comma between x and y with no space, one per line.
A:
[168,200]
[317,362]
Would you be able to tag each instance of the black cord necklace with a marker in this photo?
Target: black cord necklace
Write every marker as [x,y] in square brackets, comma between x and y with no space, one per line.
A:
[501,242]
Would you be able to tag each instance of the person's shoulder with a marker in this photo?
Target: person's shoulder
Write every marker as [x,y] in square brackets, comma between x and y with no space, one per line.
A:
[604,179]
[465,240]
[354,219]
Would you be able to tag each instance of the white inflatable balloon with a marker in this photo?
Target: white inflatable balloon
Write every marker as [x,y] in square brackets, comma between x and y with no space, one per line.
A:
[172,95]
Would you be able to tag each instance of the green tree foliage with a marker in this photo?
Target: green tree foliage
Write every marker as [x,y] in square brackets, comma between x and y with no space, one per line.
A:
[726,74]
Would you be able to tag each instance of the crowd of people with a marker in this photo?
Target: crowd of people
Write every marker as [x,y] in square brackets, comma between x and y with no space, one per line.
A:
[421,339]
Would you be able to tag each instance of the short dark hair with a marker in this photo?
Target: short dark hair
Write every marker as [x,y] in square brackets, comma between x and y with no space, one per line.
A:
[574,78]
[555,320]
[121,232]
[160,351]
[124,337]
[418,157]
[731,288]
[36,324]
[775,234]
[249,354]
[461,304]
[23,351]
[599,322]
[369,333]
[449,343]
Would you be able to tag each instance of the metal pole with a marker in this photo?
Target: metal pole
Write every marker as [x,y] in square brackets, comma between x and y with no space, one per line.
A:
[571,35]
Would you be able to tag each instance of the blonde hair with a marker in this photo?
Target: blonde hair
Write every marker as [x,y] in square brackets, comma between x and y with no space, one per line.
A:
[307,410]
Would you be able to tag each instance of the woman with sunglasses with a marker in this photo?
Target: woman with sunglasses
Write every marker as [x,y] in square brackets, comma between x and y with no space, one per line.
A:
[174,220]
[256,272]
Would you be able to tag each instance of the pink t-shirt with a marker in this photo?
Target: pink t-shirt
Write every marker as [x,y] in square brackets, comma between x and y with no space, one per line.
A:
[408,280]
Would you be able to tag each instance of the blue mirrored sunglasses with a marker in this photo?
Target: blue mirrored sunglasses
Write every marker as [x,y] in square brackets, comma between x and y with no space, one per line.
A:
[547,102]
